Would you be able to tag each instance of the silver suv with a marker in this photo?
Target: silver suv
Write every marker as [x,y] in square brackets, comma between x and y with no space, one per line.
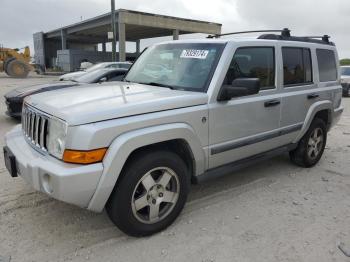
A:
[216,105]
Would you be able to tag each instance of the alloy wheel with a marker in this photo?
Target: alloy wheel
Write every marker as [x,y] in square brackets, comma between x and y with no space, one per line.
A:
[315,143]
[155,195]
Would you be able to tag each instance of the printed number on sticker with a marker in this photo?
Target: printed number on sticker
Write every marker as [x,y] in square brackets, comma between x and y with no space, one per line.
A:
[193,53]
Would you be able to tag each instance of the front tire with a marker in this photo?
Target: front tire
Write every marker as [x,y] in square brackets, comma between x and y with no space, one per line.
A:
[311,146]
[151,193]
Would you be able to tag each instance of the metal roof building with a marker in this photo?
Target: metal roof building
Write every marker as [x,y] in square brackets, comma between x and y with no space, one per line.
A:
[66,47]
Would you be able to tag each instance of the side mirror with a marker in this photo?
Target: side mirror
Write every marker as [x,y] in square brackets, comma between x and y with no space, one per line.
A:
[103,79]
[240,87]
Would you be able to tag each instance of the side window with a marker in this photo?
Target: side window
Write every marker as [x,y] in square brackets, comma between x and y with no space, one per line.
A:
[116,76]
[253,62]
[125,66]
[297,66]
[327,65]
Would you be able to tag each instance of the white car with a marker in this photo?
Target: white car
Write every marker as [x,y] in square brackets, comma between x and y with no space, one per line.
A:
[73,75]
[345,79]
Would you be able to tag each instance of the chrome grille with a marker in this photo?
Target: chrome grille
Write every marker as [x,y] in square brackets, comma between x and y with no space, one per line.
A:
[35,127]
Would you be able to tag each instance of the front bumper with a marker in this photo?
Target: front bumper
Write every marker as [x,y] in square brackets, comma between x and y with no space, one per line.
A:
[74,184]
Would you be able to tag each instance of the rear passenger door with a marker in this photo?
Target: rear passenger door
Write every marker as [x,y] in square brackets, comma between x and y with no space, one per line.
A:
[298,89]
[306,71]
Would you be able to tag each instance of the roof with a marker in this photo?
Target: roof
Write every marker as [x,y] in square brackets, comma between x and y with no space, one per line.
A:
[239,39]
[138,25]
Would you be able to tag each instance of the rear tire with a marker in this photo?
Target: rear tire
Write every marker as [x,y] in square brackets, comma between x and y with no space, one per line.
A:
[17,69]
[151,193]
[311,146]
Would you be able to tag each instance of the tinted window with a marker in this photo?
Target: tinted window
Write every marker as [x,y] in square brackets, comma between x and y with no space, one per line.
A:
[116,76]
[253,62]
[326,65]
[126,66]
[297,68]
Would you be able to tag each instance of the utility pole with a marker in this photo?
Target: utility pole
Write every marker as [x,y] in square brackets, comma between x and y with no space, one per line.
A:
[114,30]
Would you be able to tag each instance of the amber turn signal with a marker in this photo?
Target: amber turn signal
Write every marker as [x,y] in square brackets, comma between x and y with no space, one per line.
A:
[84,157]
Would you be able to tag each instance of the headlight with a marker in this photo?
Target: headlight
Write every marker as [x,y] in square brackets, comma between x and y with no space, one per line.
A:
[57,137]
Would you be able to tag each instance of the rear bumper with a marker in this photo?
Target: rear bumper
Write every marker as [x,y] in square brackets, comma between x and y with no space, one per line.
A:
[74,184]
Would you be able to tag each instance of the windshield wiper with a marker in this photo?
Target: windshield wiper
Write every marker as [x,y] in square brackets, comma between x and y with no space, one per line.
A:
[158,84]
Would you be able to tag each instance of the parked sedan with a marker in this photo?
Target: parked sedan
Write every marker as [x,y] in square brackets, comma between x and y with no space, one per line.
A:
[74,75]
[345,80]
[14,98]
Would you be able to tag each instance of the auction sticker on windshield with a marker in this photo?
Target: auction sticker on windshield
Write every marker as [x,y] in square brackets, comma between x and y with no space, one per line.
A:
[194,53]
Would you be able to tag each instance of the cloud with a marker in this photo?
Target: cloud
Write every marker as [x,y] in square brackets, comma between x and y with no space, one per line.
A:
[20,19]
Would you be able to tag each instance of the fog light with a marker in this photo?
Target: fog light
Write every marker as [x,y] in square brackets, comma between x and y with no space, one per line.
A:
[47,183]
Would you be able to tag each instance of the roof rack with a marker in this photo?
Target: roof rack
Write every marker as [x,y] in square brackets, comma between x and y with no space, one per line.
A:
[285,35]
[284,32]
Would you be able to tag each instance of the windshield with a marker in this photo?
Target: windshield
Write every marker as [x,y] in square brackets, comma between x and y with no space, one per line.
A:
[94,67]
[187,66]
[345,71]
[90,77]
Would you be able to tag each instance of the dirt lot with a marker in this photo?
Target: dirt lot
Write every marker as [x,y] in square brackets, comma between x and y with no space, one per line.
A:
[273,211]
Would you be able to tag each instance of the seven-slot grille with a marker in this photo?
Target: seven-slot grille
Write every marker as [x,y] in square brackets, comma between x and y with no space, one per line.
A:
[35,127]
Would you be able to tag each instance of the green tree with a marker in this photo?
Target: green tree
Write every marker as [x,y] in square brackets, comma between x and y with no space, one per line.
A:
[345,61]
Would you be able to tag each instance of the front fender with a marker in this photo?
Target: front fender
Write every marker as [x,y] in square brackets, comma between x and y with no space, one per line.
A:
[313,110]
[125,144]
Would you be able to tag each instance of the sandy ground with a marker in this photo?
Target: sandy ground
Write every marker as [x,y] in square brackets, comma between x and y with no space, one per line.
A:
[273,211]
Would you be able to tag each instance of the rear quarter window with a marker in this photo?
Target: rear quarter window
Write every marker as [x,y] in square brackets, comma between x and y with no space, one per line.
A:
[327,65]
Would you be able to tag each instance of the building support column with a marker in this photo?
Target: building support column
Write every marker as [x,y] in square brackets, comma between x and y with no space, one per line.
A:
[114,30]
[63,39]
[122,39]
[138,47]
[176,34]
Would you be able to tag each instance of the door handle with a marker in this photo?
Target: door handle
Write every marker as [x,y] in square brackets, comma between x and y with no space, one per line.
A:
[312,96]
[272,103]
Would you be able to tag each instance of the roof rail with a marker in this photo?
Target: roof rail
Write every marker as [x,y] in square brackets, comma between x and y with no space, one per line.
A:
[284,32]
[323,40]
[285,35]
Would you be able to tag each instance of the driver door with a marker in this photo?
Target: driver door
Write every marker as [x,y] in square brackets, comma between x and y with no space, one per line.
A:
[248,125]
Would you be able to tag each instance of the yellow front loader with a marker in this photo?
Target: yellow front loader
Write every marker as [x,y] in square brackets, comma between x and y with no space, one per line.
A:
[14,63]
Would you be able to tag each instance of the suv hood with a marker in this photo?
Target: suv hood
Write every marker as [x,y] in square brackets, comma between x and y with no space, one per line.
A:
[94,103]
